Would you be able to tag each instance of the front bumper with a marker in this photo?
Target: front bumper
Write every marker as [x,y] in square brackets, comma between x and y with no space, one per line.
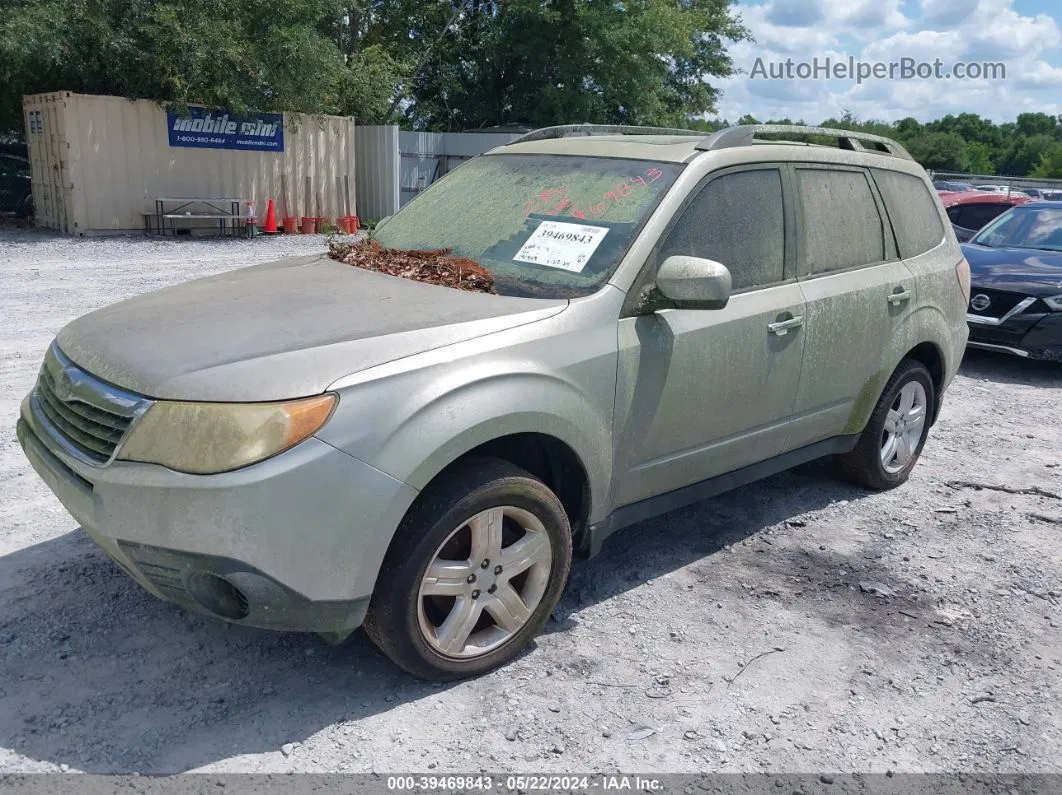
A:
[294,542]
[1032,336]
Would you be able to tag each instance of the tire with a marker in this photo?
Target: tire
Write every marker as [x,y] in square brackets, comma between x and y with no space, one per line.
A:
[481,509]
[865,465]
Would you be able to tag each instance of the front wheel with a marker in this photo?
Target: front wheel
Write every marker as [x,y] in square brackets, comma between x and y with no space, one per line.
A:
[475,569]
[890,445]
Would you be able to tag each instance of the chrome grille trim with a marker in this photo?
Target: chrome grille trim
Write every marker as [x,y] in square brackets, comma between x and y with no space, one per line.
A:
[83,416]
[988,320]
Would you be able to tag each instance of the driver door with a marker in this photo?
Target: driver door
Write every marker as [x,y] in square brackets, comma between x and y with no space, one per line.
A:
[704,392]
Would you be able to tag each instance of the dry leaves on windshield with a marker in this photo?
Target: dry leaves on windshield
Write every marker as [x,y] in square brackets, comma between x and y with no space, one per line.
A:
[433,267]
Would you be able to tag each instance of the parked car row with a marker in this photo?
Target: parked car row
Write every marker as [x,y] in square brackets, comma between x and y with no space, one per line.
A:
[1016,274]
[1012,240]
[971,211]
[15,194]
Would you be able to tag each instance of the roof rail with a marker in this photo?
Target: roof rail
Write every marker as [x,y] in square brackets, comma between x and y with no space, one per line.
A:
[571,130]
[745,135]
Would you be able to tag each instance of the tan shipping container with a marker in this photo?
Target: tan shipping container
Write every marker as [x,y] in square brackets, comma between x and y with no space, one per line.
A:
[100,162]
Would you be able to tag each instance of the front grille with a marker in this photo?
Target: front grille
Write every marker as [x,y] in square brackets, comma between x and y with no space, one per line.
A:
[1001,302]
[90,416]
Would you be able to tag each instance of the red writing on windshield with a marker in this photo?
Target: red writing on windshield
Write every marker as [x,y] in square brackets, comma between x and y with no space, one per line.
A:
[557,201]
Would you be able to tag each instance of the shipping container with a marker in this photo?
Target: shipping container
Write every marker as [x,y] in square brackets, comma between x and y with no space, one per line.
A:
[99,163]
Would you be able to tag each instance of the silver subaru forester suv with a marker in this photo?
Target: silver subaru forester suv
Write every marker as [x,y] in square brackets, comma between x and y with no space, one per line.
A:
[308,445]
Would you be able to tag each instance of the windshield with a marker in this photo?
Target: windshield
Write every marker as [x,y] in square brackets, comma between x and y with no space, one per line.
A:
[545,226]
[1024,227]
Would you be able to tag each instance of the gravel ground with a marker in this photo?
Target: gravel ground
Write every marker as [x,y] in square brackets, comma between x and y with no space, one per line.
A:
[795,625]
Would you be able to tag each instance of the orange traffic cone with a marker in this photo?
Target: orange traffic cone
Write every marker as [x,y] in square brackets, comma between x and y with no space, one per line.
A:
[270,227]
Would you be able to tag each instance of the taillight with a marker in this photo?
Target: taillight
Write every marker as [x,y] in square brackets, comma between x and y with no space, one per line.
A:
[962,270]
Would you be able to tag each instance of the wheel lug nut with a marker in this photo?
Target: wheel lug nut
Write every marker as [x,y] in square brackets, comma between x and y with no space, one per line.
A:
[475,594]
[497,569]
[485,564]
[471,578]
[492,589]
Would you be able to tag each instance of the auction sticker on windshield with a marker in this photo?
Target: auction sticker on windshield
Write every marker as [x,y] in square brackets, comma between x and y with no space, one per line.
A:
[559,245]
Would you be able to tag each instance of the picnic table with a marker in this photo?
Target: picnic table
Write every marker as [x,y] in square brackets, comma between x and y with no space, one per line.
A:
[170,210]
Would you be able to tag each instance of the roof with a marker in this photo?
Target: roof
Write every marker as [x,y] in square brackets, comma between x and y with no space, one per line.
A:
[986,197]
[680,145]
[662,148]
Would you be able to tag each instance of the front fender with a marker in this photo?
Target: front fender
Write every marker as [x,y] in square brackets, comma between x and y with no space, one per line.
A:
[431,439]
[413,418]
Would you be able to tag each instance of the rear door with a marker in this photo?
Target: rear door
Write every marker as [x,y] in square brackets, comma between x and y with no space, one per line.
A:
[858,292]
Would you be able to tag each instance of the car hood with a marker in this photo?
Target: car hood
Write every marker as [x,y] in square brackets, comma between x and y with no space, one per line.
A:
[280,330]
[1015,269]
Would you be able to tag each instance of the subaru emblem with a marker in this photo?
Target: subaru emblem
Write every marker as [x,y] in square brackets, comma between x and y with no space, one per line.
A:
[980,302]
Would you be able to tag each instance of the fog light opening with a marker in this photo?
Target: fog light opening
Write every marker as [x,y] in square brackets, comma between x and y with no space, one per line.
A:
[218,596]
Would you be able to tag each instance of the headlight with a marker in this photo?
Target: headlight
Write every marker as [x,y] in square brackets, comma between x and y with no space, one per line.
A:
[206,438]
[1055,303]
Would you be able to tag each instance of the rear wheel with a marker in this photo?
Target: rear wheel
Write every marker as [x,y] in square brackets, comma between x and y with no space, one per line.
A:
[890,445]
[474,571]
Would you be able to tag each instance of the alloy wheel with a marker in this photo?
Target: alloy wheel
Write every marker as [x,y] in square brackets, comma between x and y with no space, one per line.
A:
[903,427]
[484,582]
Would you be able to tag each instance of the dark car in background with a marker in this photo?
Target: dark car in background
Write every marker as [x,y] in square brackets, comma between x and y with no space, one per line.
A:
[16,195]
[1016,275]
[969,212]
[952,187]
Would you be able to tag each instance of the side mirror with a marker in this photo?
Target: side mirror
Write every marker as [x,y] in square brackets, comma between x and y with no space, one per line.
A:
[693,283]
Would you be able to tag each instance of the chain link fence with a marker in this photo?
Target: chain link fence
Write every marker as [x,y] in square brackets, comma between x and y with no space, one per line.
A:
[1017,183]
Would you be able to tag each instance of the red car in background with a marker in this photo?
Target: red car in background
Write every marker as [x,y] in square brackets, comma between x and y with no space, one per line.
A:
[970,211]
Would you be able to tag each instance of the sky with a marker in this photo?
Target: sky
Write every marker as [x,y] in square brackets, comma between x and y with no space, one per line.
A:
[1024,35]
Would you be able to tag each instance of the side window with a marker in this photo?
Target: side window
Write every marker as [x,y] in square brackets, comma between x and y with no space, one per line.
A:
[955,214]
[963,217]
[915,218]
[841,226]
[737,219]
[978,215]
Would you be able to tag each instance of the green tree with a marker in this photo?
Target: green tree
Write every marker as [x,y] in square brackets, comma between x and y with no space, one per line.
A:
[1038,124]
[1024,154]
[554,61]
[298,55]
[940,151]
[980,156]
[1050,165]
[970,127]
[908,128]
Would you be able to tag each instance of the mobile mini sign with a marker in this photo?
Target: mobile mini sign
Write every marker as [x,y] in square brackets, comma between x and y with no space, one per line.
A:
[209,128]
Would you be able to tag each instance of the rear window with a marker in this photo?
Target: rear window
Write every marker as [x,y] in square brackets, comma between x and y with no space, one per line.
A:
[974,216]
[915,218]
[841,227]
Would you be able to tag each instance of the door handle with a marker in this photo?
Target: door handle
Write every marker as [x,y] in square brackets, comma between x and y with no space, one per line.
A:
[781,328]
[899,296]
